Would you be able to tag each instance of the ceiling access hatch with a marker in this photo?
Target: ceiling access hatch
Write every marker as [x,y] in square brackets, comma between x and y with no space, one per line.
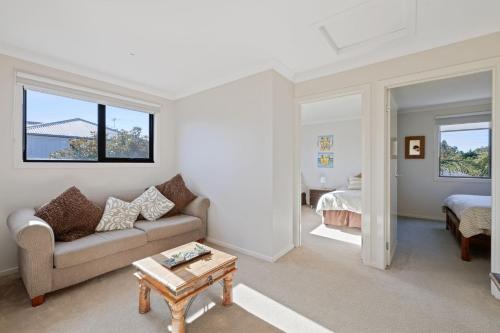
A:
[369,24]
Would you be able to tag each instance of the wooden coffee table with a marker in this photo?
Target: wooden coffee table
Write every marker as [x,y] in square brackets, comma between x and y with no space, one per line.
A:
[182,284]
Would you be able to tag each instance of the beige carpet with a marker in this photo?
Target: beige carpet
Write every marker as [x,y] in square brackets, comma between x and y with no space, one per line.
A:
[320,287]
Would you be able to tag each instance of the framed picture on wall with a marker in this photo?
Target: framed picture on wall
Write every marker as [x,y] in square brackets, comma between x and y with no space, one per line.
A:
[325,143]
[325,160]
[414,147]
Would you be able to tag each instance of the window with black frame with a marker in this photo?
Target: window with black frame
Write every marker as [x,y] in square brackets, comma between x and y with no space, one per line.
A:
[63,129]
[465,150]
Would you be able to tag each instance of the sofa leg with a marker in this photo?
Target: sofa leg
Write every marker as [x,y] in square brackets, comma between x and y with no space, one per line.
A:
[201,240]
[38,300]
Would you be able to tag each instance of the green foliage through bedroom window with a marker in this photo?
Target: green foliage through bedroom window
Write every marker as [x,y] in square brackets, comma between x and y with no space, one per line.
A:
[465,153]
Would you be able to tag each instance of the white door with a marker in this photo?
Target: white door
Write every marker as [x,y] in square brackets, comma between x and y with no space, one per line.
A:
[392,225]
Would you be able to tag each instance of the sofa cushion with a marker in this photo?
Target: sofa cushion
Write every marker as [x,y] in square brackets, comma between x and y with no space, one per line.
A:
[153,204]
[168,226]
[176,191]
[71,215]
[98,245]
[118,215]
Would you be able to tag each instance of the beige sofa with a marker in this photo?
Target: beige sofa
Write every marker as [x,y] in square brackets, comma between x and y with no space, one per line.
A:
[46,265]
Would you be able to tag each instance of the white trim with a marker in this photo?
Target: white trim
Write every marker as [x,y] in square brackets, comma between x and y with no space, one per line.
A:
[76,165]
[330,121]
[281,253]
[439,179]
[494,290]
[482,104]
[451,116]
[240,249]
[57,87]
[273,64]
[9,271]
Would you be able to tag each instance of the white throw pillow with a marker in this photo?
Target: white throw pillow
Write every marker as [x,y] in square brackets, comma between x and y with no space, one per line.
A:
[354,187]
[153,204]
[354,183]
[118,215]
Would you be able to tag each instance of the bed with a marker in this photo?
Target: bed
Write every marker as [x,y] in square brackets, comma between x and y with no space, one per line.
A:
[469,219]
[341,208]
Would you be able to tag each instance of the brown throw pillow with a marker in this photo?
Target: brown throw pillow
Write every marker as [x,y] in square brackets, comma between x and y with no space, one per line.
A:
[176,191]
[71,215]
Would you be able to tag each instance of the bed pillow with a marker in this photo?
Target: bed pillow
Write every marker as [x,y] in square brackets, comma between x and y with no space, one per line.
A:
[354,183]
[71,215]
[176,191]
[153,204]
[118,215]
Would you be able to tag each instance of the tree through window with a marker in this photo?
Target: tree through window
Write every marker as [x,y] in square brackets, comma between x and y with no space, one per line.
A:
[465,150]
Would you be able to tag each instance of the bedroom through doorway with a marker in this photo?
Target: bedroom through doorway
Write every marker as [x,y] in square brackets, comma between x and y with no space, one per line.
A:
[330,169]
[441,173]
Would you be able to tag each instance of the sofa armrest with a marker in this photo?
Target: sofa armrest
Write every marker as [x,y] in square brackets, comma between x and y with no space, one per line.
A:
[35,240]
[199,208]
[30,232]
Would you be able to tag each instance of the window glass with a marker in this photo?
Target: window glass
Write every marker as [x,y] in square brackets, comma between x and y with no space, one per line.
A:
[60,128]
[465,152]
[127,133]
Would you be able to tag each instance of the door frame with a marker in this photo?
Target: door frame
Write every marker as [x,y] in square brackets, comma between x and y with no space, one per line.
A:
[490,65]
[365,92]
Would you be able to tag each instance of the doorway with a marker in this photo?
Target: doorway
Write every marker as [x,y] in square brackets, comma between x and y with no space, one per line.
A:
[330,150]
[441,151]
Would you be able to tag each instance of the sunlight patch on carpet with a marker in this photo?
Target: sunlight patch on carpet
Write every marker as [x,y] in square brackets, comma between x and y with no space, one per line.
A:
[273,312]
[337,234]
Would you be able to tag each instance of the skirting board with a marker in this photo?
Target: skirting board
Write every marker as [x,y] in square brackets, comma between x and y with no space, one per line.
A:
[495,285]
[283,252]
[249,252]
[495,291]
[9,271]
[423,217]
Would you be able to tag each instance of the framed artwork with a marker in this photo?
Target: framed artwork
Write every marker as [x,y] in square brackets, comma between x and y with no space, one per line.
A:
[325,143]
[415,147]
[325,160]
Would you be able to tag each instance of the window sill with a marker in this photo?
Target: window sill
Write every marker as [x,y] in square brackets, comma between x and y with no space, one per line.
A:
[461,180]
[83,165]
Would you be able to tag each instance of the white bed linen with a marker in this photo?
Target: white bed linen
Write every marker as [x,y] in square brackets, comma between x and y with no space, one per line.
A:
[473,211]
[340,200]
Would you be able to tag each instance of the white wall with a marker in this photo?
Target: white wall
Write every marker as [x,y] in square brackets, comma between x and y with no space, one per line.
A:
[420,192]
[347,152]
[33,187]
[283,152]
[228,139]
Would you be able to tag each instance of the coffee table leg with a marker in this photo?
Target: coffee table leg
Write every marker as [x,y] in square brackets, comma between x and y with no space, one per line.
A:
[178,319]
[144,302]
[227,297]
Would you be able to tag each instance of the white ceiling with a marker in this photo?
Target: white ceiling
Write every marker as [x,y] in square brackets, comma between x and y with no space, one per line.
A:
[336,109]
[458,89]
[182,47]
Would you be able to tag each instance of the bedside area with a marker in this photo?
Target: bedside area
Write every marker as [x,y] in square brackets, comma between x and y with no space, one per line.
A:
[315,194]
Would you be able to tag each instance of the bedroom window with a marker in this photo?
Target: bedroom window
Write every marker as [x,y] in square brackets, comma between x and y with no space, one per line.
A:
[64,129]
[465,150]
